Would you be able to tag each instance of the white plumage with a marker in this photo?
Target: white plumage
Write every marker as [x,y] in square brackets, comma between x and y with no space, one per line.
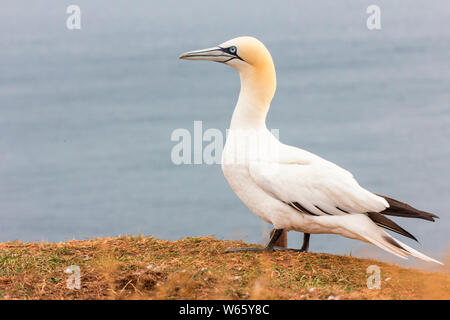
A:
[288,187]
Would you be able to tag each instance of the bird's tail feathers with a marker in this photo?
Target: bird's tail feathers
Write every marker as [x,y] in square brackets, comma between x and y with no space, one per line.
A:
[386,242]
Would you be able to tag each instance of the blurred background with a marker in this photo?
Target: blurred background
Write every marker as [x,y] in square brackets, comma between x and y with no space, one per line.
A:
[86,115]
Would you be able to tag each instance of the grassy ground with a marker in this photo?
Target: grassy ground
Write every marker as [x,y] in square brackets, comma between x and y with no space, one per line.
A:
[196,268]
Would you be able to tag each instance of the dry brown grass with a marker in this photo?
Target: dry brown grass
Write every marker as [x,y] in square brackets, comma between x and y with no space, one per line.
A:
[196,268]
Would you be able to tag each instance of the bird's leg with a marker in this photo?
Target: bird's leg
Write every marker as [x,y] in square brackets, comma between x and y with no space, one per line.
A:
[269,247]
[282,240]
[273,239]
[305,245]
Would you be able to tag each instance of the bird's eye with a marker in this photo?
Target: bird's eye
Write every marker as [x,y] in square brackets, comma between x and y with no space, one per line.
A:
[232,50]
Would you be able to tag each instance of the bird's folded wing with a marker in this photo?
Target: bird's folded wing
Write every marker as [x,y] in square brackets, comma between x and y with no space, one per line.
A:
[316,187]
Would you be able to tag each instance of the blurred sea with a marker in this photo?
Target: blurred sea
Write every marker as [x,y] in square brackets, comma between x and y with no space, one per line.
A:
[86,115]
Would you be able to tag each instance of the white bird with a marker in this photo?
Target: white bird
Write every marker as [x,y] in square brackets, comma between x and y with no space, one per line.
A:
[288,187]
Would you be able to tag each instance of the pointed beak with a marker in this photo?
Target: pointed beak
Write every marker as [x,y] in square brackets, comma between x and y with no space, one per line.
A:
[211,54]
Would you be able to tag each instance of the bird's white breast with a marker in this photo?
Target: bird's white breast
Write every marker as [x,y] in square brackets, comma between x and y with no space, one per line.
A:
[241,149]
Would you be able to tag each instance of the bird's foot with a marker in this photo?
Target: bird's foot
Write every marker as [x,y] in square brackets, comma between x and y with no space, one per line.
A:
[264,249]
[247,249]
[289,249]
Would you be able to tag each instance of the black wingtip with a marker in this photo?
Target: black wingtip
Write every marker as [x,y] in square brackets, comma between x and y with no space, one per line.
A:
[388,224]
[434,216]
[394,242]
[401,209]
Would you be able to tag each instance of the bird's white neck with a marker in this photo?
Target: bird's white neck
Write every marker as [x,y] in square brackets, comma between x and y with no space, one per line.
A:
[258,85]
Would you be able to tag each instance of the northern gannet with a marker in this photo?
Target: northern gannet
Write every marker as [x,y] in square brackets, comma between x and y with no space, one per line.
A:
[288,187]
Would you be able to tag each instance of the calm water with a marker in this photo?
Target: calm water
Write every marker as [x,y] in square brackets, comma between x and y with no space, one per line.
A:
[86,116]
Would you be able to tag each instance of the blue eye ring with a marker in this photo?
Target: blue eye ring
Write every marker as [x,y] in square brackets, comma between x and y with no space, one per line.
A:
[232,50]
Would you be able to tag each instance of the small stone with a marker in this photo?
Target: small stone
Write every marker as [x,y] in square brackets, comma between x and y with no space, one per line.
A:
[312,289]
[152,267]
